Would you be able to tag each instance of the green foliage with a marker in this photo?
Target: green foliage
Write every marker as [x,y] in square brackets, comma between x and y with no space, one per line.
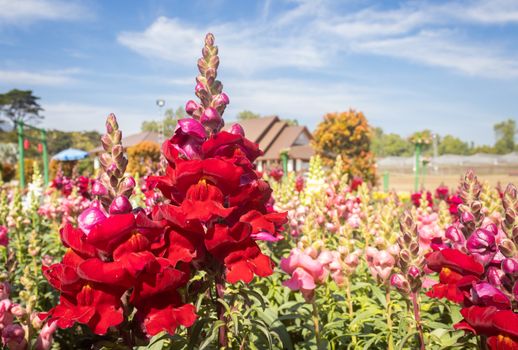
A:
[453,145]
[505,133]
[20,105]
[385,145]
[167,125]
[246,115]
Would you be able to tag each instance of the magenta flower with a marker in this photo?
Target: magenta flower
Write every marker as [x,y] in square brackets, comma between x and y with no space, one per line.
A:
[484,294]
[13,337]
[90,218]
[187,139]
[4,237]
[482,245]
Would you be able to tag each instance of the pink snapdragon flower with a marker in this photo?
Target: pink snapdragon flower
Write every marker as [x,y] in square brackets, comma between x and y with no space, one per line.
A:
[306,272]
[44,340]
[380,263]
[428,228]
[13,337]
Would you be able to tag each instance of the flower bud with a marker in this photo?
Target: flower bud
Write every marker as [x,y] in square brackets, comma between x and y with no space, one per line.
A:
[507,247]
[466,217]
[211,118]
[400,282]
[89,218]
[5,290]
[127,186]
[98,189]
[190,107]
[199,87]
[494,276]
[237,129]
[454,234]
[221,99]
[510,266]
[18,310]
[120,205]
[414,272]
[394,249]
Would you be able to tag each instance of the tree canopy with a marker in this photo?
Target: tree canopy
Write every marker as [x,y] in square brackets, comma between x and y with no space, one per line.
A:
[346,134]
[505,132]
[170,120]
[20,105]
[246,115]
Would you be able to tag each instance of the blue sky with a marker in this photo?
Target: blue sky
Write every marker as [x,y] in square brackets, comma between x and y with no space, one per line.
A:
[450,66]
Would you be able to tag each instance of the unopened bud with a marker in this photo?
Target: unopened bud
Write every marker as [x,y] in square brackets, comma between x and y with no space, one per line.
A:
[190,107]
[120,205]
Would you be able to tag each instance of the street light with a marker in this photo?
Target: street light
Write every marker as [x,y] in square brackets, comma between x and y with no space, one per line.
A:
[161,103]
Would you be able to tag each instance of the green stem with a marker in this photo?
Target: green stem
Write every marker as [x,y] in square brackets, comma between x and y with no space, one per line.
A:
[389,320]
[316,323]
[349,304]
[220,292]
[417,317]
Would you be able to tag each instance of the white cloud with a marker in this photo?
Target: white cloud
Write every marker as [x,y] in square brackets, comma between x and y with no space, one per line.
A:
[312,35]
[439,49]
[248,47]
[24,11]
[73,116]
[488,11]
[49,78]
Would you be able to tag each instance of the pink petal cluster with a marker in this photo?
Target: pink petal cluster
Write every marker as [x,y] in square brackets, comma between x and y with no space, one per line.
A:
[380,263]
[13,334]
[306,272]
[428,228]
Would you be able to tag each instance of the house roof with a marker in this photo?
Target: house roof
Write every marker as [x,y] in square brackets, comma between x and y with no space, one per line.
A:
[274,135]
[255,129]
[286,139]
[304,152]
[135,139]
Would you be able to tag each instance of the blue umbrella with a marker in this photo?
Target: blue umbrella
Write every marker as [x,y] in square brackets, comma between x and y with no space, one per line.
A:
[70,154]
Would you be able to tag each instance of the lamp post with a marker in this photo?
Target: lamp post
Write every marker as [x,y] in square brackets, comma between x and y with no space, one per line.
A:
[161,103]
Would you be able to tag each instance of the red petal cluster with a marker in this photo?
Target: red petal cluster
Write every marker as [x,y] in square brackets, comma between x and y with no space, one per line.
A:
[109,261]
[216,206]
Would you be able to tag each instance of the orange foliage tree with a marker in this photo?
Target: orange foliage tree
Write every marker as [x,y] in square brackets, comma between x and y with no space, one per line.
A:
[347,134]
[143,158]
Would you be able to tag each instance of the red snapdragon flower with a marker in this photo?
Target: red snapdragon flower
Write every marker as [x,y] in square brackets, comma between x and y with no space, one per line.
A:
[457,272]
[501,326]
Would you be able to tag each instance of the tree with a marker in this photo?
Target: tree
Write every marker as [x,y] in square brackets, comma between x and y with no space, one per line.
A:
[170,120]
[246,115]
[385,145]
[144,158]
[20,105]
[453,145]
[505,132]
[347,134]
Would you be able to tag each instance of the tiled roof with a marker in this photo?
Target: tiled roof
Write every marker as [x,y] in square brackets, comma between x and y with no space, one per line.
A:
[285,139]
[255,129]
